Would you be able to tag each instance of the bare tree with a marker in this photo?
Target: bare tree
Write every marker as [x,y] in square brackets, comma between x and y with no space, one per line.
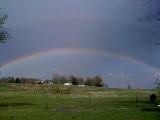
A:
[4,35]
[157,82]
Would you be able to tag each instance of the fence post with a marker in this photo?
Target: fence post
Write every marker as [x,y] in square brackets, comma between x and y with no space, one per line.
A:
[46,105]
[136,101]
[89,100]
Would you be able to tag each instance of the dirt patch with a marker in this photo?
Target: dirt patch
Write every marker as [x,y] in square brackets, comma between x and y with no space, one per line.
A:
[66,109]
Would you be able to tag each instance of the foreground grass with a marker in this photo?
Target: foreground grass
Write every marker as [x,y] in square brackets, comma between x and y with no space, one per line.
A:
[30,102]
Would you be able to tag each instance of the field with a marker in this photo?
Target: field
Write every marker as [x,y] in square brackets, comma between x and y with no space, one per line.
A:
[50,102]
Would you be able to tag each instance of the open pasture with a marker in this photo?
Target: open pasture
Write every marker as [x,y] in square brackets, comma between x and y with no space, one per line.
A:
[54,102]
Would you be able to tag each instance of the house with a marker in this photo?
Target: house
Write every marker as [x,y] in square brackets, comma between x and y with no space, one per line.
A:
[39,82]
[69,83]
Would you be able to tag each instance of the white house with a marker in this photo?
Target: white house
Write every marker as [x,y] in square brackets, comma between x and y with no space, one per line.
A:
[68,83]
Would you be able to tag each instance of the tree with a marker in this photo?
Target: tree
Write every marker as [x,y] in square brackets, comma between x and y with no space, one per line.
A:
[59,79]
[95,81]
[18,80]
[73,80]
[7,80]
[3,31]
[89,81]
[98,81]
[80,80]
[157,83]
[4,35]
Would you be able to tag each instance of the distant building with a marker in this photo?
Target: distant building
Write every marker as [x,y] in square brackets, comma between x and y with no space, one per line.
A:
[39,82]
[69,83]
[50,83]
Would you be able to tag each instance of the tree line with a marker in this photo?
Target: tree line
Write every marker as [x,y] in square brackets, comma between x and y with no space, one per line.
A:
[76,80]
[18,80]
[58,79]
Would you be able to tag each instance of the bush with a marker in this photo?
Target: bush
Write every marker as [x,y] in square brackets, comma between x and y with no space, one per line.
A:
[62,90]
[56,90]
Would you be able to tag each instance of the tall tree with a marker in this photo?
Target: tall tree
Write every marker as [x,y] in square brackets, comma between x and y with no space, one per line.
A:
[73,79]
[59,79]
[157,82]
[3,31]
[95,81]
[98,81]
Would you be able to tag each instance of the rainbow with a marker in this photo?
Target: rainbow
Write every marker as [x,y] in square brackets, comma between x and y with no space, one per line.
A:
[71,51]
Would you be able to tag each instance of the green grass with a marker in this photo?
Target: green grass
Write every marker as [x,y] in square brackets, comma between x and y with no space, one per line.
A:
[32,102]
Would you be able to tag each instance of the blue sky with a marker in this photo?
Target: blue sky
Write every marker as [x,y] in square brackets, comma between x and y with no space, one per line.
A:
[108,25]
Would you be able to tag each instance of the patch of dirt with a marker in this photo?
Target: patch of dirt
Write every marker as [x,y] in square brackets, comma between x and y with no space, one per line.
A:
[66,109]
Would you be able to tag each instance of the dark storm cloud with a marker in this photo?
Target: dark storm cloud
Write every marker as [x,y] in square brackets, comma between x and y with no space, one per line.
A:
[134,40]
[110,25]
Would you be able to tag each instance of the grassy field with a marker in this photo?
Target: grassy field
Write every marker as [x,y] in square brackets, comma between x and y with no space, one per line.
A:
[50,102]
